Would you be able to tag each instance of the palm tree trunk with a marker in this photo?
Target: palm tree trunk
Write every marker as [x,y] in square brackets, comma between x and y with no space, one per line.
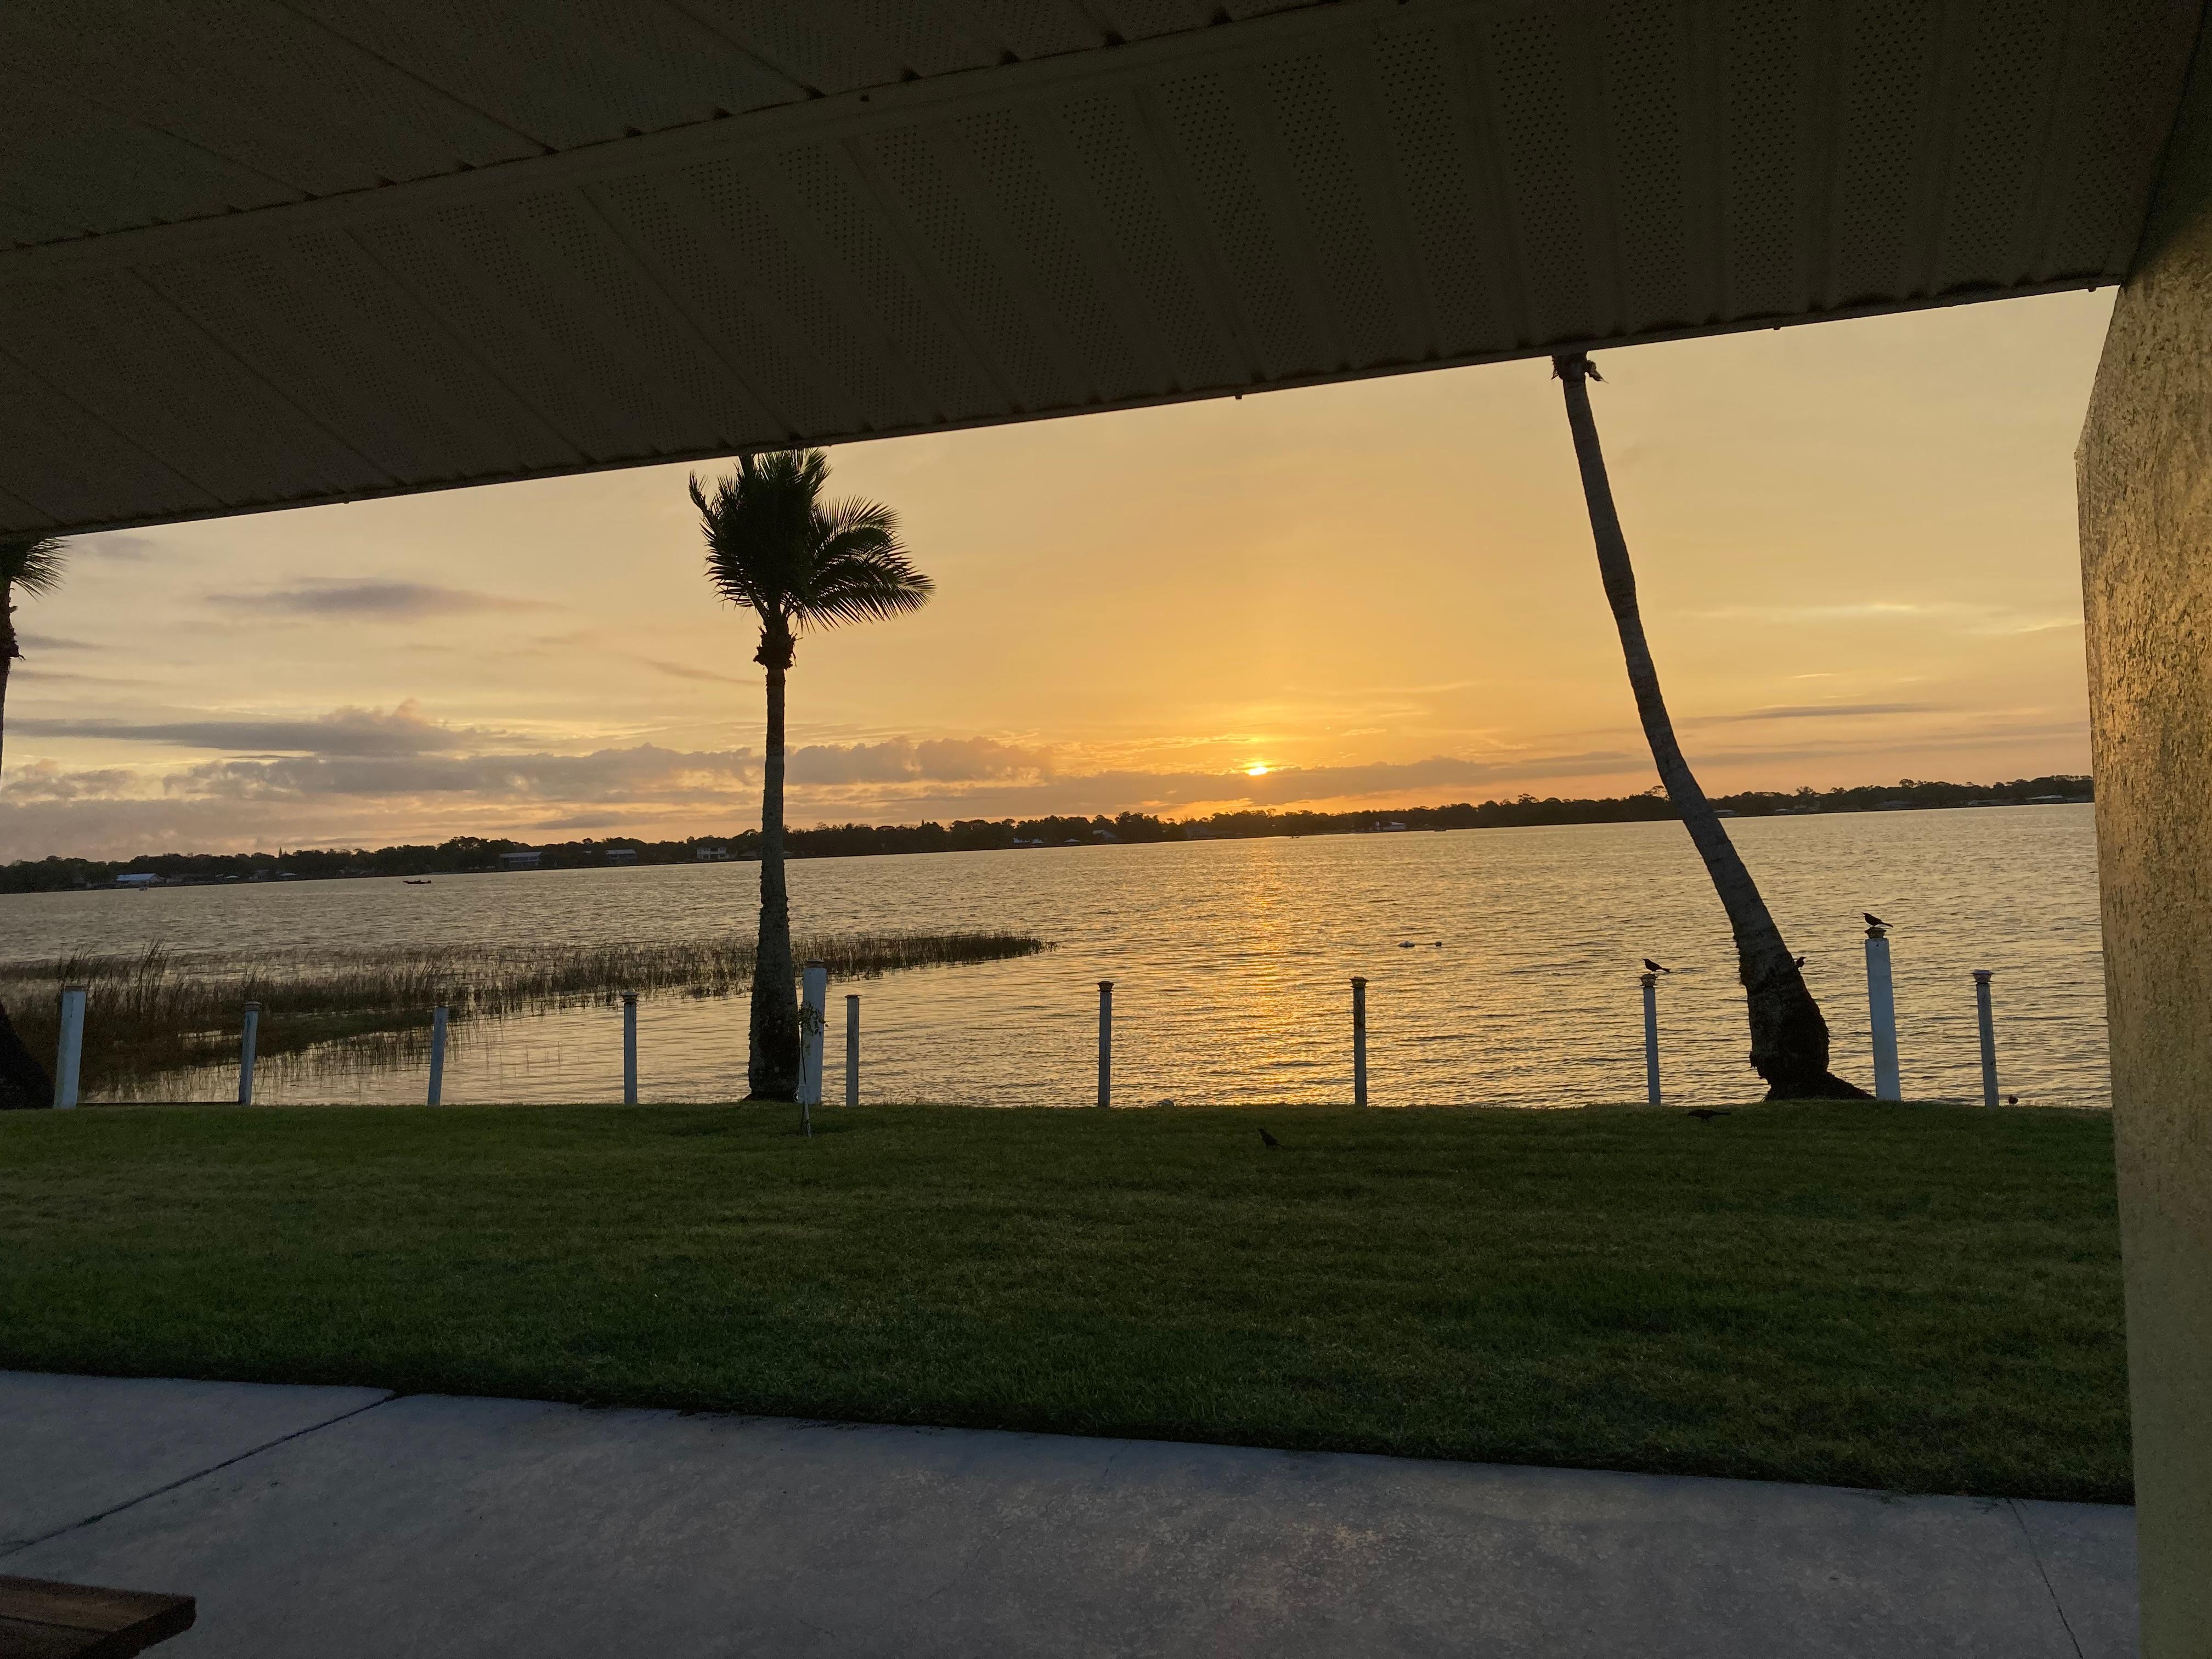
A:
[772,1068]
[23,1081]
[1788,1038]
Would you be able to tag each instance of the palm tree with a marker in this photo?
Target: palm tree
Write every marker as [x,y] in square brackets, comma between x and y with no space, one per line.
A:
[1789,1038]
[797,563]
[28,565]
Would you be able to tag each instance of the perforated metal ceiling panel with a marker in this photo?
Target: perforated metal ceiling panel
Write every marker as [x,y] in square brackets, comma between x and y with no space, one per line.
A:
[262,252]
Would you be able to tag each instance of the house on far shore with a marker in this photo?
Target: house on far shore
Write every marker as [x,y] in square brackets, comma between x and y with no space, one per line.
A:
[622,855]
[521,858]
[137,880]
[711,854]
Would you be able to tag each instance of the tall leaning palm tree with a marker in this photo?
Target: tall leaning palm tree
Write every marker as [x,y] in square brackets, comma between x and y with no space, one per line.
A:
[797,563]
[30,565]
[1788,1038]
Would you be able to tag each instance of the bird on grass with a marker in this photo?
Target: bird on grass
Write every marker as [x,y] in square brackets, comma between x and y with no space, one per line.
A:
[1705,1113]
[1651,967]
[1871,920]
[2012,1100]
[1267,1140]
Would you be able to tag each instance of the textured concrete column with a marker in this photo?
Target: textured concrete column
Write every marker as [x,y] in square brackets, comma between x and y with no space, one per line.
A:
[2145,480]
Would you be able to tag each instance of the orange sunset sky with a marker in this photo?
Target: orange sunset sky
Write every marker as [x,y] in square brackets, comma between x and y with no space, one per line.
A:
[1856,542]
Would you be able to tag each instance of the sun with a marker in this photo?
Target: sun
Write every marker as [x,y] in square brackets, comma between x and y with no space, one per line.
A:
[1256,770]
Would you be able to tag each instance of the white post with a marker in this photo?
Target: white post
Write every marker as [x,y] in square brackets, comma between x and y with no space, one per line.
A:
[630,1048]
[1651,983]
[437,1054]
[1358,1041]
[852,1048]
[1105,1042]
[1882,1012]
[814,994]
[248,1037]
[1989,1036]
[69,1053]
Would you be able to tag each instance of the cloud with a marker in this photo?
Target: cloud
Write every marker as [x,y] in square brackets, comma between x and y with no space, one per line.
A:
[645,774]
[45,779]
[376,601]
[1804,711]
[684,670]
[898,760]
[119,546]
[1958,615]
[50,642]
[349,732]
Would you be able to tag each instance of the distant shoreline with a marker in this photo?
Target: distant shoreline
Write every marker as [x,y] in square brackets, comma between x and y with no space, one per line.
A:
[469,854]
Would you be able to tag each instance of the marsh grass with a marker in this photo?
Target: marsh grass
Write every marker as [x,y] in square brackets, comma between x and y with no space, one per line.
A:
[161,1011]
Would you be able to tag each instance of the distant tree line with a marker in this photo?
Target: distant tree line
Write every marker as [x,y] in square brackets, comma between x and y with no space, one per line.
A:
[471,853]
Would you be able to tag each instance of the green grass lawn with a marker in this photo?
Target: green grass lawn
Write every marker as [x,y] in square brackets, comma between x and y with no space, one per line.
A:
[1923,1299]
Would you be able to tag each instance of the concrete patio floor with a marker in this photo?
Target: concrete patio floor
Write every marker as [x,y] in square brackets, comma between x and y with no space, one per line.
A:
[346,1521]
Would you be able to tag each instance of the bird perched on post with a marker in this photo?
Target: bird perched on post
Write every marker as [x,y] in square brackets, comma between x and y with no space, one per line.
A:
[1651,967]
[1871,920]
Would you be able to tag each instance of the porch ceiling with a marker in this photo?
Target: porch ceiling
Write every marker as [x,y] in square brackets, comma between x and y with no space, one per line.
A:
[262,252]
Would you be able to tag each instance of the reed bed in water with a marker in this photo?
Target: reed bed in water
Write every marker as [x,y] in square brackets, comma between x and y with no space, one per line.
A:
[159,1011]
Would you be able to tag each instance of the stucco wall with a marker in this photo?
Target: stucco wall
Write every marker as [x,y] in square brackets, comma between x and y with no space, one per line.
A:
[2145,481]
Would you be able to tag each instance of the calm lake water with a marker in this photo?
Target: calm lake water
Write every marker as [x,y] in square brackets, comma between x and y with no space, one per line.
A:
[1232,960]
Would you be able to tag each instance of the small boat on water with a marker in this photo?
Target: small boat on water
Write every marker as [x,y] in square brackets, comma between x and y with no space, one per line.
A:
[416,881]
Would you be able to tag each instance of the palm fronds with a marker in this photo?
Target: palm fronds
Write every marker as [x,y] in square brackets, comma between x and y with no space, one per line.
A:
[31,564]
[777,548]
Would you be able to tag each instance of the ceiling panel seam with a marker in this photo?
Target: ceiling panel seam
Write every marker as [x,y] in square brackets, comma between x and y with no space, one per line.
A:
[1460,246]
[2067,95]
[1368,254]
[630,421]
[651,278]
[707,24]
[1816,193]
[2025,241]
[1017,268]
[124,118]
[782,200]
[760,131]
[1703,147]
[1266,146]
[924,271]
[1496,181]
[833,387]
[1179,202]
[1404,271]
[282,350]
[1929,213]
[93,417]
[20,509]
[445,94]
[181,317]
[1593,116]
[1073,189]
[656,373]
[500,423]
[462,346]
